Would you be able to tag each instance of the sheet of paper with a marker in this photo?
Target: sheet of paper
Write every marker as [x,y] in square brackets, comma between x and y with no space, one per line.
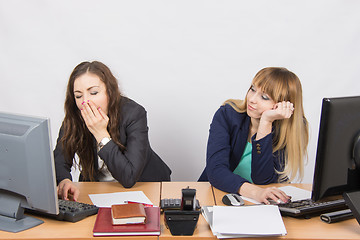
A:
[295,193]
[108,199]
[207,212]
[254,220]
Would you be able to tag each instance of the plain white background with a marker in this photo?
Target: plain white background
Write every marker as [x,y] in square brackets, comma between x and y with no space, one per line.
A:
[179,59]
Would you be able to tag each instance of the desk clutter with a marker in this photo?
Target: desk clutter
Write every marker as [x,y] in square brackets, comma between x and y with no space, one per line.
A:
[106,194]
[125,214]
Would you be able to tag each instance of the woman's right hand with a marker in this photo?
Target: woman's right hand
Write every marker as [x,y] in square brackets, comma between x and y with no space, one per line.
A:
[281,110]
[67,190]
[96,120]
[263,195]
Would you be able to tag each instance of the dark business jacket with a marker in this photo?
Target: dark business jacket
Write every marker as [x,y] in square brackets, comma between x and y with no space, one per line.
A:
[227,140]
[138,163]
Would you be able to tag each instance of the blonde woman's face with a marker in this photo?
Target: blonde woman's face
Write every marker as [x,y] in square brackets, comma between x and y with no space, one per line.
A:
[89,87]
[258,102]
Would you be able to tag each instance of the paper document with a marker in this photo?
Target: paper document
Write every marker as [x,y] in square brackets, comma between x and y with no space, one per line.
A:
[245,221]
[108,199]
[295,193]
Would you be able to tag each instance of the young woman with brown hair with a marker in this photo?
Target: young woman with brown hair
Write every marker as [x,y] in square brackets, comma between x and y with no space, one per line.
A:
[107,131]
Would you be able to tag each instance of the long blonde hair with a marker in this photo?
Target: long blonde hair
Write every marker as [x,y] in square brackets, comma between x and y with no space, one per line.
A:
[291,135]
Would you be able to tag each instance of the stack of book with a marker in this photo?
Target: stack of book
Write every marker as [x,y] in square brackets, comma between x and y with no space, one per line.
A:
[131,219]
[244,221]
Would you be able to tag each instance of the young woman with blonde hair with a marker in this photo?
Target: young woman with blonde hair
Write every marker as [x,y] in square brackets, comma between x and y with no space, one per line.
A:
[259,140]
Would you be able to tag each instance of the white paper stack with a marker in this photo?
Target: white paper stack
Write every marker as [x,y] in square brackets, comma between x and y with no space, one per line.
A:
[244,221]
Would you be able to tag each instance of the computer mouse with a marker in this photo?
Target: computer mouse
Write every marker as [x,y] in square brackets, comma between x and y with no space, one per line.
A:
[233,199]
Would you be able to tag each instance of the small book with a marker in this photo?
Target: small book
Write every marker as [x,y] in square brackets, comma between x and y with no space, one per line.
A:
[103,225]
[131,213]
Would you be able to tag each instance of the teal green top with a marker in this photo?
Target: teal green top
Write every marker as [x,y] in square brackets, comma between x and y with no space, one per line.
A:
[243,169]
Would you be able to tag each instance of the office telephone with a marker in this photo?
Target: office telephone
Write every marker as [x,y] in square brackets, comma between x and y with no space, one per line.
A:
[175,204]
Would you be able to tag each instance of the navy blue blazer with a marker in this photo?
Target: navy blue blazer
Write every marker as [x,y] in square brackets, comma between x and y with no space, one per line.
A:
[227,140]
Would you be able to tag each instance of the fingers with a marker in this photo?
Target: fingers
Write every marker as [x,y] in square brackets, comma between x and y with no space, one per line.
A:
[62,192]
[73,193]
[67,190]
[285,109]
[95,119]
[89,111]
[103,114]
[76,194]
[274,194]
[93,115]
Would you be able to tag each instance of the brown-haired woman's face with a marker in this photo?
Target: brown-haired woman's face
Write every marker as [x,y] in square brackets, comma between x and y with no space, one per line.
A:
[89,87]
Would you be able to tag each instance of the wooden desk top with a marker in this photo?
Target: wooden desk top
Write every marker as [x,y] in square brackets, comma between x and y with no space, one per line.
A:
[53,229]
[312,228]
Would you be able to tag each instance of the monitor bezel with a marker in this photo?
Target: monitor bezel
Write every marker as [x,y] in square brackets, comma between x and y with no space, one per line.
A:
[334,160]
[37,174]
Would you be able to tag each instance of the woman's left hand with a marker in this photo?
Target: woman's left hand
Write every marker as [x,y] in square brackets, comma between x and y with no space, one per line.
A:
[96,120]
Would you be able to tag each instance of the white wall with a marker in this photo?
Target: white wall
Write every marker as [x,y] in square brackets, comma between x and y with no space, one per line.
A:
[179,59]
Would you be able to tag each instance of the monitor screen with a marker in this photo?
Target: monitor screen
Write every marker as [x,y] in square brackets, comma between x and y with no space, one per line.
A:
[27,172]
[338,146]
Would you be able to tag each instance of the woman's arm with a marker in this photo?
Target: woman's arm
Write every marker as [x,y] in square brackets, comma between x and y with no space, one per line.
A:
[127,167]
[66,189]
[264,162]
[219,152]
[62,166]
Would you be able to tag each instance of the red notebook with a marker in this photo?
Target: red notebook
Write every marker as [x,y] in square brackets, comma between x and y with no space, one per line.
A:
[103,225]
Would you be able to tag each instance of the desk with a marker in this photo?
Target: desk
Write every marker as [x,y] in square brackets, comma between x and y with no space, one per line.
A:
[53,229]
[312,228]
[297,228]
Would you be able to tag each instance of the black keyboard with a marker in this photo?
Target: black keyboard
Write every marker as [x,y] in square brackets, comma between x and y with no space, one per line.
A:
[71,211]
[307,207]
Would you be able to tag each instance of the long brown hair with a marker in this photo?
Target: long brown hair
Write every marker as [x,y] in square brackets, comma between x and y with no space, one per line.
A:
[77,139]
[291,135]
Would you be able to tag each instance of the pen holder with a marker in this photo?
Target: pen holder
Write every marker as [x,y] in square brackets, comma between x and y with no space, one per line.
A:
[181,222]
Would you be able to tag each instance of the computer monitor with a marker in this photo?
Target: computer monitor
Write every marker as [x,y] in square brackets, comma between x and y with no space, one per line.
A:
[337,166]
[27,172]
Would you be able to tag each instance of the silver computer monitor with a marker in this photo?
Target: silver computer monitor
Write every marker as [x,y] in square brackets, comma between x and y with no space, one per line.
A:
[27,172]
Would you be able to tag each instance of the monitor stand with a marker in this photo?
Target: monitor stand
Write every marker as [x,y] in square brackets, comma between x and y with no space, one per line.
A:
[12,225]
[12,218]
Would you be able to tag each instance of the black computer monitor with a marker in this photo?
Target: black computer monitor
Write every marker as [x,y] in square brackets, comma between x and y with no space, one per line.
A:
[337,166]
[27,172]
